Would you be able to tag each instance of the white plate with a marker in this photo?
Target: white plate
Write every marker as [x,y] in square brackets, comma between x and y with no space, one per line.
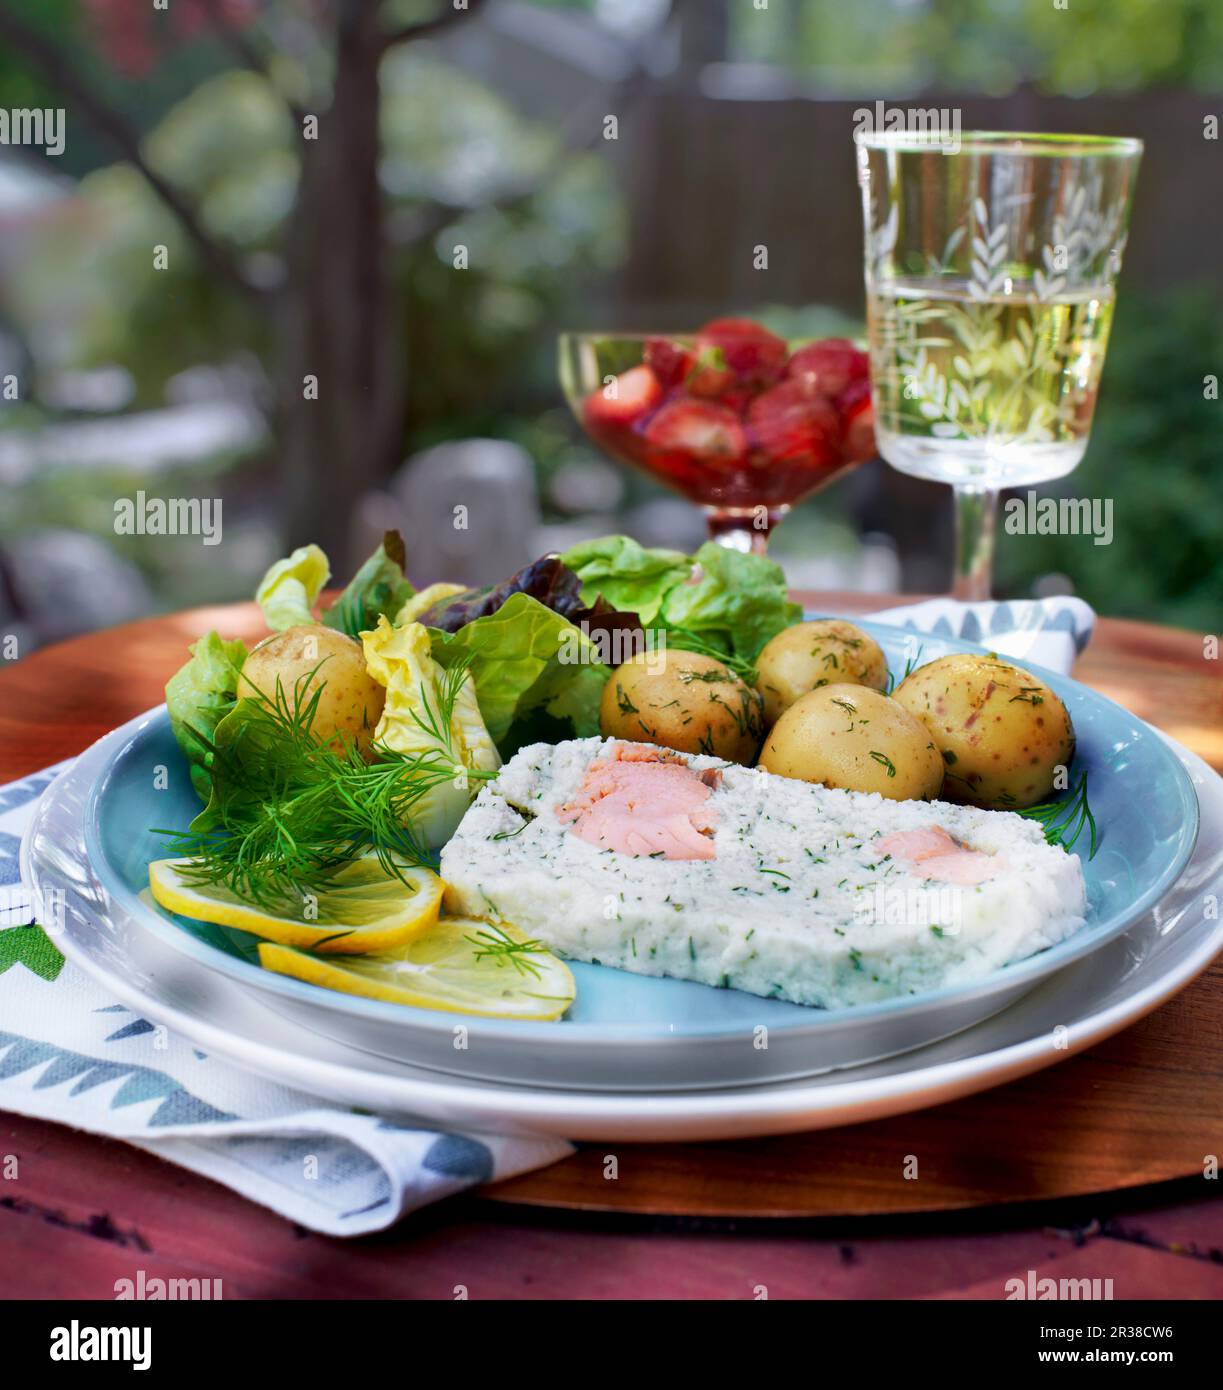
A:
[1089,1000]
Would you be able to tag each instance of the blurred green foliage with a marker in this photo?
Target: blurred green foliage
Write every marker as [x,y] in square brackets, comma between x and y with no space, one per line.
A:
[523,250]
[1155,452]
[117,46]
[178,575]
[987,46]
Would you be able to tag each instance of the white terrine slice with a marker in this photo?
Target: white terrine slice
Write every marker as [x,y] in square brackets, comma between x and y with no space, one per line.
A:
[798,902]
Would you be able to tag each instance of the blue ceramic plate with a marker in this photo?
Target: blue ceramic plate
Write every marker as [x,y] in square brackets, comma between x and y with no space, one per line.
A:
[631,1032]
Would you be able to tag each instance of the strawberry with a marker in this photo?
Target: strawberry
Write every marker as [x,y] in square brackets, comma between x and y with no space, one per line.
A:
[858,429]
[792,426]
[710,377]
[853,393]
[624,400]
[670,362]
[828,367]
[738,399]
[747,350]
[701,429]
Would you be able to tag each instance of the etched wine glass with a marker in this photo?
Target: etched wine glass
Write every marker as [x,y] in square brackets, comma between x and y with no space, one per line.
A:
[990,270]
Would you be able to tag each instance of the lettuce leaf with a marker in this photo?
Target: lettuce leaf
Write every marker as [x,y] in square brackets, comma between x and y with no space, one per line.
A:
[733,607]
[421,718]
[737,605]
[378,589]
[198,696]
[526,661]
[626,574]
[289,590]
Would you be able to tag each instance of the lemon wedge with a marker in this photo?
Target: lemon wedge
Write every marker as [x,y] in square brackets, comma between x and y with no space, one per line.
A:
[459,965]
[360,907]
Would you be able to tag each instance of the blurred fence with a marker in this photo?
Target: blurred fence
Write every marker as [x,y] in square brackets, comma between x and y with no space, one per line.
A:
[711,178]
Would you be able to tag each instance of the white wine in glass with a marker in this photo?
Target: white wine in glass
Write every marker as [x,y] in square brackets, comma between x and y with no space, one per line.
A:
[989,276]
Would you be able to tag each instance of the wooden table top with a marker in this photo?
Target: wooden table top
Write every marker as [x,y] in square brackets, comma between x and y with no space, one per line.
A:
[1138,1109]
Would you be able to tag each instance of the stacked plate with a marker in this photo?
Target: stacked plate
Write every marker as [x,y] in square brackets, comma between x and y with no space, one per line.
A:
[639,1058]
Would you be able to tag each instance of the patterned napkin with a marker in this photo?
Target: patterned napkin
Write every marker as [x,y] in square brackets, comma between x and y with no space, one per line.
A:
[1047,632]
[69,1053]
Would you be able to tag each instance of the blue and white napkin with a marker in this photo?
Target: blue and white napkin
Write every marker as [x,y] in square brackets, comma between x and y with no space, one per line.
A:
[1048,632]
[69,1053]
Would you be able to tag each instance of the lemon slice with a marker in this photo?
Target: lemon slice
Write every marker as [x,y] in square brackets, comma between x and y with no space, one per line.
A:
[460,965]
[360,907]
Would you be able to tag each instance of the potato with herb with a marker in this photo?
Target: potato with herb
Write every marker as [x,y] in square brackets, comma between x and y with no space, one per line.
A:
[1001,731]
[682,700]
[350,700]
[807,656]
[857,739]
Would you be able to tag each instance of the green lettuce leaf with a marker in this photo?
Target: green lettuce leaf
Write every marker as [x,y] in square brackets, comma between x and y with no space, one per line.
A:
[378,589]
[734,607]
[630,577]
[198,696]
[737,605]
[289,590]
[421,719]
[527,661]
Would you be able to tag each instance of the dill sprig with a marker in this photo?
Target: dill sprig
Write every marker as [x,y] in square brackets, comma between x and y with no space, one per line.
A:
[1064,821]
[687,641]
[910,667]
[288,809]
[498,946]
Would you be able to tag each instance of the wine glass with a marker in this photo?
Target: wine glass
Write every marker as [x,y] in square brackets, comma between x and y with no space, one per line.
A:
[736,419]
[990,267]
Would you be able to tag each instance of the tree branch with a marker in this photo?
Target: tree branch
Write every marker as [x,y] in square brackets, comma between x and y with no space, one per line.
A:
[444,18]
[109,121]
[246,53]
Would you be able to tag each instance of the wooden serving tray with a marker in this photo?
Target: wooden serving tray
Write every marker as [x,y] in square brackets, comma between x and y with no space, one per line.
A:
[1142,1107]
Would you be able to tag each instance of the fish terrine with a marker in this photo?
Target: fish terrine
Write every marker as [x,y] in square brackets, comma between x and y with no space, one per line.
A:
[667,864]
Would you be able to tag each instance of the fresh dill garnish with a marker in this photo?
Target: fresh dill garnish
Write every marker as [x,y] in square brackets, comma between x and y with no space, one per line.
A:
[1064,821]
[288,810]
[886,762]
[706,677]
[501,948]
[910,667]
[509,834]
[626,705]
[685,641]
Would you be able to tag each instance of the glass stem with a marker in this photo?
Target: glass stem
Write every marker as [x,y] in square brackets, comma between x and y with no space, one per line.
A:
[975,511]
[743,528]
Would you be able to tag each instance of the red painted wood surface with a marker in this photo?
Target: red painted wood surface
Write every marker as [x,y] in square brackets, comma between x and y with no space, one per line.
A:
[1139,1108]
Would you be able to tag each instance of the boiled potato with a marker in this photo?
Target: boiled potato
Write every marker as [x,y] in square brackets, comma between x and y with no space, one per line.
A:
[1001,730]
[858,739]
[351,700]
[685,701]
[810,655]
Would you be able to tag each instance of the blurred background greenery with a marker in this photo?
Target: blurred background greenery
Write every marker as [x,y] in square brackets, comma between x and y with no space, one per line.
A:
[734,124]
